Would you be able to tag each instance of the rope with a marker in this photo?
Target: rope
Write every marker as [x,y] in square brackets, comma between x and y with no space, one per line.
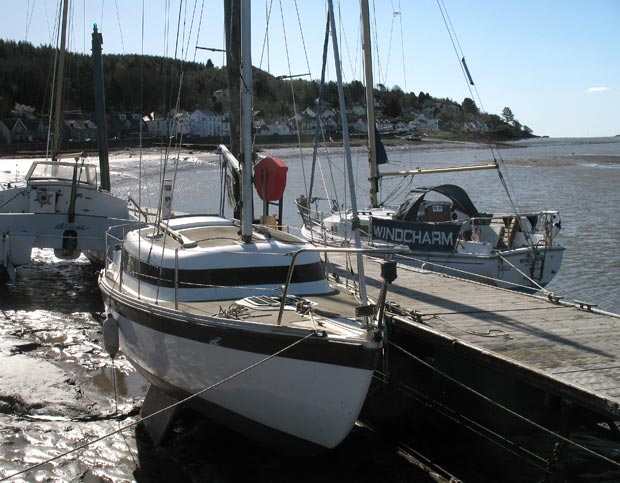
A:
[491,333]
[157,413]
[506,409]
[465,272]
[534,282]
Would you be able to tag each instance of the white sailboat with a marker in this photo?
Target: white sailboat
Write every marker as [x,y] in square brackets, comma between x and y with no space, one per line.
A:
[60,204]
[241,318]
[444,232]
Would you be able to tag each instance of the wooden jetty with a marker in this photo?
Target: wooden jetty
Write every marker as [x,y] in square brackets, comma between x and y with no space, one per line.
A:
[556,363]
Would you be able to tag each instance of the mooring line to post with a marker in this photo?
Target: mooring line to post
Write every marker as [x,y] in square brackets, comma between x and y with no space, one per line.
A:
[156,413]
[508,410]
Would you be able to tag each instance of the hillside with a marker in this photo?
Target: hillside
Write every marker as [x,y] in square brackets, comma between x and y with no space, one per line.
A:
[150,84]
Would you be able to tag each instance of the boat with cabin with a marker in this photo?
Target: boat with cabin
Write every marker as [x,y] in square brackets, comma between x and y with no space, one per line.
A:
[64,203]
[239,320]
[439,225]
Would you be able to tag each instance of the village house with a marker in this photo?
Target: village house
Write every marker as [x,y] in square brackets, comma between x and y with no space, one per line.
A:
[384,126]
[37,129]
[401,127]
[424,123]
[13,131]
[79,130]
[360,126]
[204,123]
[123,125]
[276,128]
[158,125]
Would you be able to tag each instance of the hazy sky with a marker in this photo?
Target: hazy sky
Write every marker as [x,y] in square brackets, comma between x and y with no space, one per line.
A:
[555,63]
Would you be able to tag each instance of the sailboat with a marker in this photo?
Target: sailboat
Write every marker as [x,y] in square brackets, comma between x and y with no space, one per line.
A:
[239,320]
[60,204]
[440,225]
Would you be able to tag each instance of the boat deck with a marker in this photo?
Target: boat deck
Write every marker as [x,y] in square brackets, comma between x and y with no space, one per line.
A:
[568,349]
[332,313]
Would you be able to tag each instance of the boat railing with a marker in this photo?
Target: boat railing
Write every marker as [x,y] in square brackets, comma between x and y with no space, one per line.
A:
[387,252]
[501,229]
[313,216]
[114,258]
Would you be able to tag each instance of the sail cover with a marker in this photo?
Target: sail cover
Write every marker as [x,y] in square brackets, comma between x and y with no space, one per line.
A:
[381,154]
[408,210]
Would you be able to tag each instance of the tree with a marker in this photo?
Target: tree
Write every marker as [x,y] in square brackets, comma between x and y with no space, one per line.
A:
[508,115]
[22,111]
[469,106]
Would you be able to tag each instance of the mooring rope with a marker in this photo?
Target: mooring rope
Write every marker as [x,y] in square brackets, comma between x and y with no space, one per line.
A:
[157,413]
[465,272]
[504,408]
[534,282]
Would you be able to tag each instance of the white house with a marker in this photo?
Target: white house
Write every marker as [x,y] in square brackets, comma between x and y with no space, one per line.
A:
[401,127]
[360,126]
[276,128]
[205,122]
[424,123]
[384,125]
[159,126]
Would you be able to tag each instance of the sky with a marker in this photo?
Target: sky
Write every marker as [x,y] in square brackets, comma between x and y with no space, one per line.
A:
[554,63]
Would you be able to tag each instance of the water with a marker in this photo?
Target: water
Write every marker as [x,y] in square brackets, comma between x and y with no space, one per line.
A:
[50,320]
[577,177]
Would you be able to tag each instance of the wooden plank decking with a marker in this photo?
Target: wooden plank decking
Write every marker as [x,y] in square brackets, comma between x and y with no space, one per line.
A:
[559,347]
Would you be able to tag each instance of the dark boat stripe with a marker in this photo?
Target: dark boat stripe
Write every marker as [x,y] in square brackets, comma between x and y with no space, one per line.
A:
[315,349]
[221,277]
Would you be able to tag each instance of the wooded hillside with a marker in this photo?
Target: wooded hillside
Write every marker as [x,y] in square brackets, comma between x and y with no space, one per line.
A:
[146,83]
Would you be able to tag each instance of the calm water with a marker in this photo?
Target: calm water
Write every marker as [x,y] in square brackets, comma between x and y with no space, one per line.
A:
[578,177]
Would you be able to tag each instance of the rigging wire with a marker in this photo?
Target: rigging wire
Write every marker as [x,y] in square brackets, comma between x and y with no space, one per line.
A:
[387,63]
[402,46]
[120,27]
[505,180]
[506,409]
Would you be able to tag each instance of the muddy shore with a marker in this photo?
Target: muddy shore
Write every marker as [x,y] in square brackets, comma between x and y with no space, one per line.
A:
[59,390]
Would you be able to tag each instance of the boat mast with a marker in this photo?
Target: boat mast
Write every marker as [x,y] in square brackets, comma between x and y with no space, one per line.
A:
[347,146]
[232,27]
[60,72]
[370,106]
[102,132]
[246,121]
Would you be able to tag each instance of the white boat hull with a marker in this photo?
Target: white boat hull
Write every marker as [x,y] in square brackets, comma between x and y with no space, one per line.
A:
[287,398]
[523,269]
[513,269]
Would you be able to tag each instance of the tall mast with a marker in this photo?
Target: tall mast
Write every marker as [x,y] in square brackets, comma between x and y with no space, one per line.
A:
[347,146]
[246,120]
[370,106]
[60,73]
[232,27]
[102,132]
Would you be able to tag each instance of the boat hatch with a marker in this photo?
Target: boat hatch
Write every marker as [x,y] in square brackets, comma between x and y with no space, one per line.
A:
[264,302]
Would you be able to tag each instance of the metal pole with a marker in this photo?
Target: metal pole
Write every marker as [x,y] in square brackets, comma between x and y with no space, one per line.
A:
[346,144]
[370,106]
[59,82]
[246,120]
[102,131]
